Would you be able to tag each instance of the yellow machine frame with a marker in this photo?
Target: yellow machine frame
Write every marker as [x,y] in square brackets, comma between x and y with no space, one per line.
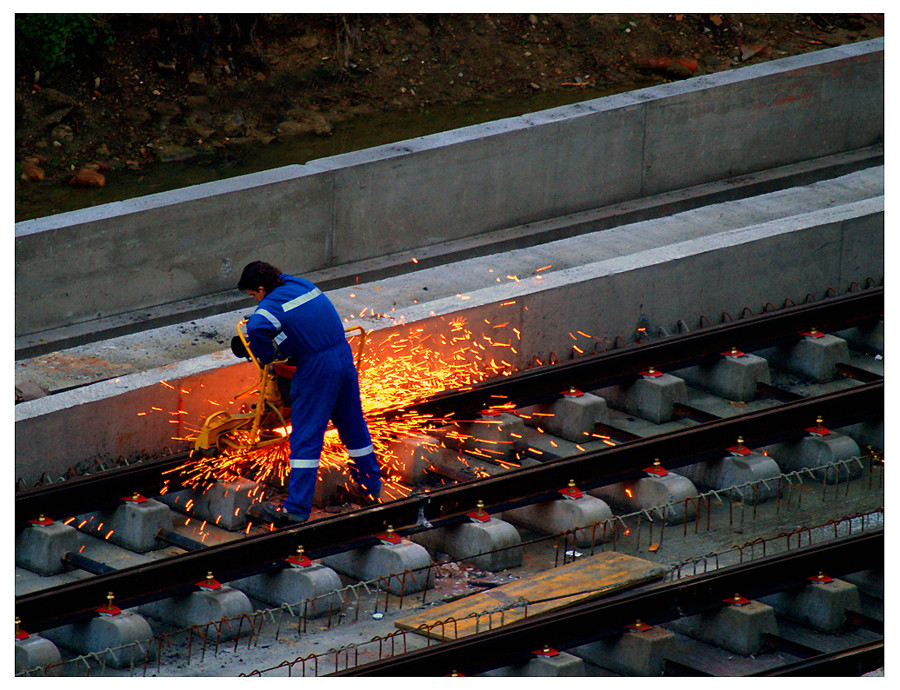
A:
[216,432]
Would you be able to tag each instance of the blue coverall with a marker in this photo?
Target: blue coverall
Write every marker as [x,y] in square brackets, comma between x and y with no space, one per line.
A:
[302,322]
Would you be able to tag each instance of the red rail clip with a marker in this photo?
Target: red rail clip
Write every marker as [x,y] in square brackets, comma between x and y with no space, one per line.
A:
[813,333]
[571,491]
[572,393]
[489,413]
[20,634]
[657,470]
[736,600]
[135,498]
[110,610]
[390,537]
[638,626]
[733,352]
[299,561]
[43,521]
[651,372]
[821,577]
[209,584]
[546,651]
[818,429]
[740,448]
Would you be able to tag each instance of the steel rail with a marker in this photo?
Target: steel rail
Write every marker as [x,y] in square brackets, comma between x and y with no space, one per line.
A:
[86,494]
[228,561]
[654,604]
[98,491]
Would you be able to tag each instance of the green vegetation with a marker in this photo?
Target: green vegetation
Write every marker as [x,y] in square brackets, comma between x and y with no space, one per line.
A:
[49,41]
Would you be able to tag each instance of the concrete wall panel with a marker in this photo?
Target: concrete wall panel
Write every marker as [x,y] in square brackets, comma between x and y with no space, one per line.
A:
[124,257]
[742,121]
[165,247]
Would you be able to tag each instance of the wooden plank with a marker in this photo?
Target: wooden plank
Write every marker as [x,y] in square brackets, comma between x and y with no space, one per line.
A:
[584,579]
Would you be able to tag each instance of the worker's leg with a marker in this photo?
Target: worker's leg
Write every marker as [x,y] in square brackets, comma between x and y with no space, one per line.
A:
[312,393]
[354,432]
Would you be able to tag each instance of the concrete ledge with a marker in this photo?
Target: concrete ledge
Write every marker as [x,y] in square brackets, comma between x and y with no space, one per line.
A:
[739,629]
[634,653]
[120,640]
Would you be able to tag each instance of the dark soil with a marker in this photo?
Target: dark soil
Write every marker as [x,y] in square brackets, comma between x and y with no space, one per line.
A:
[191,87]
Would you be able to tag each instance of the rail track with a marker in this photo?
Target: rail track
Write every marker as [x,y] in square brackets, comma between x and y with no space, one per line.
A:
[80,495]
[787,418]
[655,604]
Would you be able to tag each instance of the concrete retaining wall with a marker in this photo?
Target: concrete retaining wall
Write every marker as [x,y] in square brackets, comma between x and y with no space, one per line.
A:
[747,267]
[128,256]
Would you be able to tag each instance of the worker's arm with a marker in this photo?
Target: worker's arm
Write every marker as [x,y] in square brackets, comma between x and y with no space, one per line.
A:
[262,329]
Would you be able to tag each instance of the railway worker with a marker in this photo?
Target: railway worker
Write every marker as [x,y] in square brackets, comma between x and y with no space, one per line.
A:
[294,319]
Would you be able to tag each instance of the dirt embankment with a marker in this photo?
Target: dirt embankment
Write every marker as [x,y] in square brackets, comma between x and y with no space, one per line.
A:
[174,87]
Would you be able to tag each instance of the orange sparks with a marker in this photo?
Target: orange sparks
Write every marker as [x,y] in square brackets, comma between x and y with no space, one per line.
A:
[396,371]
[543,268]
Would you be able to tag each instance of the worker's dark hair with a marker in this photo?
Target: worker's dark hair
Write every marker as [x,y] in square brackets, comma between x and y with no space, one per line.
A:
[258,274]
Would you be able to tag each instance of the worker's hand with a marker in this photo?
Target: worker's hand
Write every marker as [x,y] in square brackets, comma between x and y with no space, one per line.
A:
[238,348]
